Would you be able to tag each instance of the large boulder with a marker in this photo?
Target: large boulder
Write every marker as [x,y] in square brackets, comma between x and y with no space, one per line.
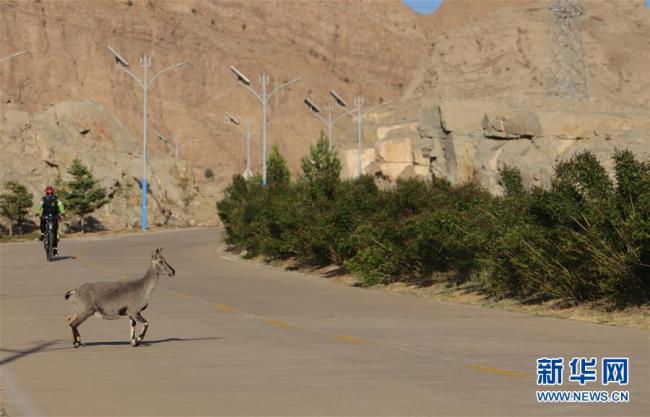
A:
[401,150]
[350,161]
[511,126]
[464,140]
[465,116]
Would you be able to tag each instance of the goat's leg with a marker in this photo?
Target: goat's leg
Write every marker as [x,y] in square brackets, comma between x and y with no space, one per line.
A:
[75,333]
[75,321]
[142,320]
[133,340]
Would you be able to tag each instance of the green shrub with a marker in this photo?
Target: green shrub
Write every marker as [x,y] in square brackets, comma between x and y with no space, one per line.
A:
[83,194]
[584,238]
[322,168]
[278,175]
[15,204]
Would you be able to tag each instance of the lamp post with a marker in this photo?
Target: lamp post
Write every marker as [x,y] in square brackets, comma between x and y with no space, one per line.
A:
[357,114]
[247,134]
[264,99]
[145,84]
[329,122]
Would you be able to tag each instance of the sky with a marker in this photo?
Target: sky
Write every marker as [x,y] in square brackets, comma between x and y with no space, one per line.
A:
[427,6]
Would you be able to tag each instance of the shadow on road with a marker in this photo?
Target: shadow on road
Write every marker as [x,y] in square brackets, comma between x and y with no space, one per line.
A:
[43,347]
[63,258]
[17,354]
[146,343]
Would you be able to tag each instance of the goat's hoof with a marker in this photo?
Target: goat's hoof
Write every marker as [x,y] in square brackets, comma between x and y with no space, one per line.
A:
[135,343]
[76,344]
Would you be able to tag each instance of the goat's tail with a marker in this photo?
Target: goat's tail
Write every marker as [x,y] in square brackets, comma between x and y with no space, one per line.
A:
[68,294]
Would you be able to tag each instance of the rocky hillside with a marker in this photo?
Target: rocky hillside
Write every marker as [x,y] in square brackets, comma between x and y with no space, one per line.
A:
[477,101]
[504,52]
[464,140]
[354,47]
[468,53]
[37,148]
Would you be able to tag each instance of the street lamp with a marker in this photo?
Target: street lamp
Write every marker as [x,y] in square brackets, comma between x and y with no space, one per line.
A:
[329,122]
[247,134]
[357,114]
[166,141]
[264,99]
[145,84]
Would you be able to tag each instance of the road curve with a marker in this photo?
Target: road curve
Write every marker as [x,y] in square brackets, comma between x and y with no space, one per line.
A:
[235,338]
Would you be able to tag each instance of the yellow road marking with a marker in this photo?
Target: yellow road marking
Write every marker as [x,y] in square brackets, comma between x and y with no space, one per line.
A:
[496,371]
[352,340]
[181,296]
[225,308]
[278,324]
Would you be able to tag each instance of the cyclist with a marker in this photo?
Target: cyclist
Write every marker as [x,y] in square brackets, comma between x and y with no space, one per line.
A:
[52,207]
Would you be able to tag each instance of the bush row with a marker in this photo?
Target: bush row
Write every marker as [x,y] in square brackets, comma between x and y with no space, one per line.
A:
[584,238]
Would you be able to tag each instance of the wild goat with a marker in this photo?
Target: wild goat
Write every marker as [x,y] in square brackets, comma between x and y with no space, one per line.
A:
[112,300]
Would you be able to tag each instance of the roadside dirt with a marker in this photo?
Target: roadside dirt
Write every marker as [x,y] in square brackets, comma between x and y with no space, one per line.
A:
[470,294]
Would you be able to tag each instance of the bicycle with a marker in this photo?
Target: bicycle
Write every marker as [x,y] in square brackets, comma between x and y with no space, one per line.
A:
[48,239]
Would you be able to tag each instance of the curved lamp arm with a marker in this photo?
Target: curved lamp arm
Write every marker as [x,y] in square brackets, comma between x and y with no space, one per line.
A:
[319,116]
[282,86]
[132,75]
[253,92]
[351,114]
[161,72]
[336,119]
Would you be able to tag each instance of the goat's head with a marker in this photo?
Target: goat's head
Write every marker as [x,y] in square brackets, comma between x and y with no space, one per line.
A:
[161,265]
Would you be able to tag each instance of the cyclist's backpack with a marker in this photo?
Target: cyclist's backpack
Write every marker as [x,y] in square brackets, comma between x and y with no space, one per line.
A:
[50,206]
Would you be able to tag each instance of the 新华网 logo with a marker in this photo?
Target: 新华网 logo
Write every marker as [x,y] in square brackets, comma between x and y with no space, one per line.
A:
[583,371]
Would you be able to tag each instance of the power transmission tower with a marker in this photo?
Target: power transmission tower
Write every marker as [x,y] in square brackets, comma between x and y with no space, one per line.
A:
[567,74]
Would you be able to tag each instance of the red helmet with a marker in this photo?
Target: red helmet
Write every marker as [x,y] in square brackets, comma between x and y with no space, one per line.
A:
[49,190]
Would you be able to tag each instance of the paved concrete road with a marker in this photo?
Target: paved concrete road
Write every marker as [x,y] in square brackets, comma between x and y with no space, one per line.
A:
[233,338]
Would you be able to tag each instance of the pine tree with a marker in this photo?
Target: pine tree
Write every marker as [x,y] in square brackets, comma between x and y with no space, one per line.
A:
[278,172]
[83,194]
[15,204]
[322,168]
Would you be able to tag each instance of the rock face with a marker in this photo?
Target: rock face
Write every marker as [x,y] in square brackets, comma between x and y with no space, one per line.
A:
[466,82]
[503,51]
[476,102]
[329,46]
[522,125]
[39,147]
[465,140]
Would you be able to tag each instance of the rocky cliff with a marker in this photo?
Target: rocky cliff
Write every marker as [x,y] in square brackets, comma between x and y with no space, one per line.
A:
[477,101]
[354,47]
[464,140]
[479,65]
[37,148]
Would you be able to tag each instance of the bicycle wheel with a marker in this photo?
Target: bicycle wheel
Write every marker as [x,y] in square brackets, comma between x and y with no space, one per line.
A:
[45,240]
[50,244]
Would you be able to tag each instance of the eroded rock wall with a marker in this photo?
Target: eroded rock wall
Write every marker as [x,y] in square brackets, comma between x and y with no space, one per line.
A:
[38,147]
[464,140]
